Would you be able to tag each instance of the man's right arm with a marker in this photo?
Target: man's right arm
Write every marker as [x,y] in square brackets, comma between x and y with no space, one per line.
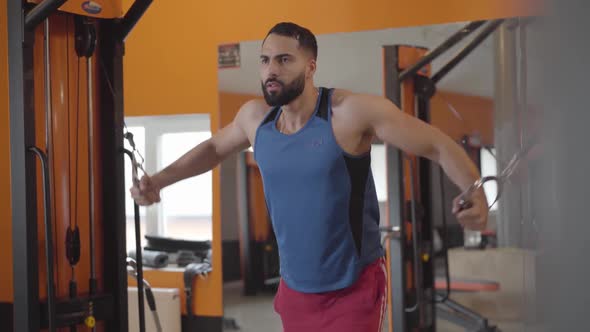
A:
[208,154]
[202,158]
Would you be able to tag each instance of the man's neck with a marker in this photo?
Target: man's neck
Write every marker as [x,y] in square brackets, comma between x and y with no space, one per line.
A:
[298,112]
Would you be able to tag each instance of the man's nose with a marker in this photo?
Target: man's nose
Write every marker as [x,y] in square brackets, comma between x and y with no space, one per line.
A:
[273,69]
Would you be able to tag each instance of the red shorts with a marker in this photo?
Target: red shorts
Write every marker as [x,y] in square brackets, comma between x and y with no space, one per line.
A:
[358,308]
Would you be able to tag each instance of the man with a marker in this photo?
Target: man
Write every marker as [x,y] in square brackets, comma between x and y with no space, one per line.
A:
[312,146]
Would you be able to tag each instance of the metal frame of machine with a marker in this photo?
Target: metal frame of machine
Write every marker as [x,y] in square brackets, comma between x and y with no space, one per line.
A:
[29,313]
[409,251]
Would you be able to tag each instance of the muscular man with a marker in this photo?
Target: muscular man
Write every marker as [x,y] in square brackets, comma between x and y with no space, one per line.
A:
[312,146]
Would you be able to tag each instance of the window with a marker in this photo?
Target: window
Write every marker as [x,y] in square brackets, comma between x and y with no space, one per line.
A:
[185,211]
[379,169]
[489,168]
[187,206]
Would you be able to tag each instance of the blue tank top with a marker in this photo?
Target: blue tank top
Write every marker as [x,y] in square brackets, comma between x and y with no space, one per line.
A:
[321,201]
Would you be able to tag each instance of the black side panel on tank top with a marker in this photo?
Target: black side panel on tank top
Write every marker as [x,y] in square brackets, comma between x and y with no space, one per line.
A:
[323,108]
[358,170]
[271,116]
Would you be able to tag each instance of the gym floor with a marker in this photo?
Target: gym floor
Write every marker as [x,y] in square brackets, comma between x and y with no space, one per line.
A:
[256,314]
[503,308]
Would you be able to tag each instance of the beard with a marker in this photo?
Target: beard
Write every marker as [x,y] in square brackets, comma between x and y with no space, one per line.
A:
[286,94]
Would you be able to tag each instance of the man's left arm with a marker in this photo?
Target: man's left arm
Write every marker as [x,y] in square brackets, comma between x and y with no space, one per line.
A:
[412,135]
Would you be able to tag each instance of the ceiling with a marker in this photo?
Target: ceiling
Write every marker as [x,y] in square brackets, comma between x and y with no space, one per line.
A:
[353,61]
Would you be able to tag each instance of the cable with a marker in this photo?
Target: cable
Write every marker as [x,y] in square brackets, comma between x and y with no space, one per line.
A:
[414,238]
[444,238]
[72,234]
[77,146]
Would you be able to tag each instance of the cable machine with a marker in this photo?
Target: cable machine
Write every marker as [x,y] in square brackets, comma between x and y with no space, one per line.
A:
[415,298]
[67,163]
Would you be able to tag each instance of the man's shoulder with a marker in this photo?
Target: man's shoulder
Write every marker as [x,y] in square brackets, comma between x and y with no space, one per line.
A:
[251,114]
[254,110]
[349,102]
[340,96]
[255,106]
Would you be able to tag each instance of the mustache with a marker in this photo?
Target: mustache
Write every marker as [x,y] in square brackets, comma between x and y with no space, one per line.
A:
[271,80]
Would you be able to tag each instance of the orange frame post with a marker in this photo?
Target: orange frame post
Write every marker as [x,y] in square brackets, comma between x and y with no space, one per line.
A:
[407,310]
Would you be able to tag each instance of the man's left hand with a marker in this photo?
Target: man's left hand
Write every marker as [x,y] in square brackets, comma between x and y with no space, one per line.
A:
[475,217]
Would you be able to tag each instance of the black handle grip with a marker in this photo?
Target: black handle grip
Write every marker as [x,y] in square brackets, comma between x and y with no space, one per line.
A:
[73,245]
[465,204]
[189,306]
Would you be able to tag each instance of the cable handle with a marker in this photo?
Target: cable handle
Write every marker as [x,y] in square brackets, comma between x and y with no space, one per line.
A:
[48,238]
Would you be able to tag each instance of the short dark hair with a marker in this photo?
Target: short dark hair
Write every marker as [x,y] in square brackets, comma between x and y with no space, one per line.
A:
[304,36]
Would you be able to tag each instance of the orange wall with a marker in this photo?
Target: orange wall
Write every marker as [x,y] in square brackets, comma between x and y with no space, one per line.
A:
[209,297]
[229,104]
[246,20]
[476,115]
[6,291]
[165,74]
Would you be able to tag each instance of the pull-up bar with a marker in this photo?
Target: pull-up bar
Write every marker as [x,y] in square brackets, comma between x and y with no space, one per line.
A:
[41,12]
[466,50]
[454,39]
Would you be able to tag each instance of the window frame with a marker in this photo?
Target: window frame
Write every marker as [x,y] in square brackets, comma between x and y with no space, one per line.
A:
[155,128]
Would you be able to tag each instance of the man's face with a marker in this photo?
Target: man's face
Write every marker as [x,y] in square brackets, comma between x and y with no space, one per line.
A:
[284,68]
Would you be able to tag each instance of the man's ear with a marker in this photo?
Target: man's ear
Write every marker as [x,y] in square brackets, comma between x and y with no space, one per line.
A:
[311,68]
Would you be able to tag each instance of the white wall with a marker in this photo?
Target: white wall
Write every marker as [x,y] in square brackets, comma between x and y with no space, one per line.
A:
[353,61]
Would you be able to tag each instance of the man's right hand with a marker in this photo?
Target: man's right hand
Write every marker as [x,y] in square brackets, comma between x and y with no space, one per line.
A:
[146,192]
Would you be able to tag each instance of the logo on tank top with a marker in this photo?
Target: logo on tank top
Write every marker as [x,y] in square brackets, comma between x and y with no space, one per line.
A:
[316,142]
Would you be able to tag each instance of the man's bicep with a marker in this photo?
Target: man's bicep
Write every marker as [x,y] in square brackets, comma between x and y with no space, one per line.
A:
[236,136]
[406,132]
[229,139]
